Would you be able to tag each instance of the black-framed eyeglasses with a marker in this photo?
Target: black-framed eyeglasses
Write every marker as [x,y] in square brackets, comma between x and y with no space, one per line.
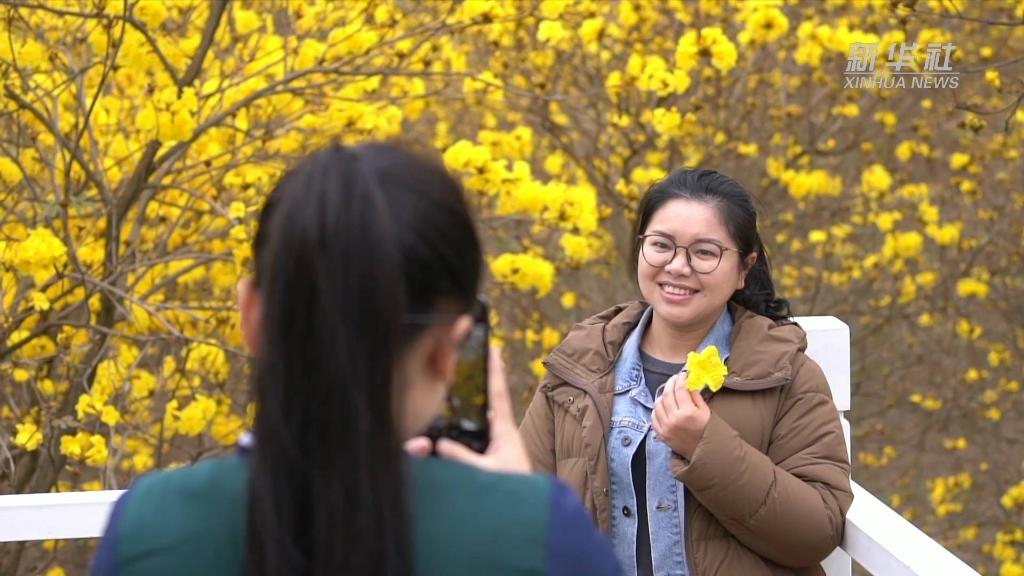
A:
[704,257]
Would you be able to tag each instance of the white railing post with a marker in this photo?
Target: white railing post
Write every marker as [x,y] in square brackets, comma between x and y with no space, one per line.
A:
[828,344]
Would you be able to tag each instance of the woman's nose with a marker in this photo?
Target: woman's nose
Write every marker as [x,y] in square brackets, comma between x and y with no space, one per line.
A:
[680,264]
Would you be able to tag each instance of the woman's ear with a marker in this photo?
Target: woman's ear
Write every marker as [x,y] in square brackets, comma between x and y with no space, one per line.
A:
[250,310]
[445,353]
[748,265]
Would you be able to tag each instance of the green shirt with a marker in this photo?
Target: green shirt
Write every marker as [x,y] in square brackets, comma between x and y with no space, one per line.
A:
[465,521]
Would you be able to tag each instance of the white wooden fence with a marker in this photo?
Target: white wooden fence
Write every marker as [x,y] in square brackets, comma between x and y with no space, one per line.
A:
[876,537]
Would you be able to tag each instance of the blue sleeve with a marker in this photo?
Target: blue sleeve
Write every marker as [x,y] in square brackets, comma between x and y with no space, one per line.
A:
[105,561]
[574,545]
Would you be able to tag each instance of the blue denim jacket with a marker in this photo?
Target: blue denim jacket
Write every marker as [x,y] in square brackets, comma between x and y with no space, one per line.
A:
[631,423]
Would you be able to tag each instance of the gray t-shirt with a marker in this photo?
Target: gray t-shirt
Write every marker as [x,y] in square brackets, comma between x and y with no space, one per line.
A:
[656,373]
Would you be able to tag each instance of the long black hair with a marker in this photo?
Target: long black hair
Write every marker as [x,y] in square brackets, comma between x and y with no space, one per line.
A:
[349,242]
[736,209]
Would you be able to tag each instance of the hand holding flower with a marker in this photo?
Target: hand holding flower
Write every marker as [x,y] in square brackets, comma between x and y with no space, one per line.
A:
[680,416]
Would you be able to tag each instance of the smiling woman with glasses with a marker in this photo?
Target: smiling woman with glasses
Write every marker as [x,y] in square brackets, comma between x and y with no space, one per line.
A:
[750,479]
[703,256]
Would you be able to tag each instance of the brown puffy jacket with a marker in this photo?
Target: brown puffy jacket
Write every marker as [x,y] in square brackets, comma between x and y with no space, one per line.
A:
[768,486]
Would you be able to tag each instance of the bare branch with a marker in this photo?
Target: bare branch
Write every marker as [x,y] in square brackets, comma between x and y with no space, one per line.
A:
[217,8]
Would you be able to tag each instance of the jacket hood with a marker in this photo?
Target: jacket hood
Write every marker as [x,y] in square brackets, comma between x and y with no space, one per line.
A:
[763,351]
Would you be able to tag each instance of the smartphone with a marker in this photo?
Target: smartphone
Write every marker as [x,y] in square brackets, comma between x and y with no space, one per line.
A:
[464,417]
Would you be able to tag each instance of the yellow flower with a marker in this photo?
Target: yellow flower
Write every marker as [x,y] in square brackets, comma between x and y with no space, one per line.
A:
[748,149]
[568,300]
[994,414]
[992,77]
[90,448]
[10,174]
[236,210]
[710,40]
[590,31]
[87,405]
[705,369]
[905,150]
[208,360]
[552,32]
[246,21]
[959,160]
[46,387]
[40,303]
[192,419]
[903,245]
[466,156]
[40,347]
[886,221]
[849,110]
[39,255]
[971,287]
[945,235]
[577,248]
[802,184]
[766,24]
[876,180]
[525,272]
[226,429]
[110,416]
[28,436]
[1014,497]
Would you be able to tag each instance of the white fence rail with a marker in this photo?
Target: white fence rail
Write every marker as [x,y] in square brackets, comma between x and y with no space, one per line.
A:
[876,537]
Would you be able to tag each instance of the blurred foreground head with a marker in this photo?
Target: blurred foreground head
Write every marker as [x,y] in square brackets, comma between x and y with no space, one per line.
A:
[351,242]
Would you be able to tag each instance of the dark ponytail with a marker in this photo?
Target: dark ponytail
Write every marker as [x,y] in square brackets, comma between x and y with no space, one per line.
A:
[740,218]
[349,242]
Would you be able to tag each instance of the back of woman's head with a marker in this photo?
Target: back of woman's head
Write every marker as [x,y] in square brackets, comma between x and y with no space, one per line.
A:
[350,242]
[736,210]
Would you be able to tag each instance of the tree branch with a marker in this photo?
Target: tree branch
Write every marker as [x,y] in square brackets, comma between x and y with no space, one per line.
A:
[217,8]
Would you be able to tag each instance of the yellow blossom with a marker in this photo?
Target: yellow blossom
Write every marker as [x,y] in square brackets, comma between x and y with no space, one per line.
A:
[524,272]
[568,300]
[971,287]
[193,418]
[40,255]
[875,180]
[903,245]
[705,369]
[765,24]
[208,360]
[226,429]
[110,416]
[89,448]
[959,160]
[40,303]
[945,234]
[28,436]
[817,236]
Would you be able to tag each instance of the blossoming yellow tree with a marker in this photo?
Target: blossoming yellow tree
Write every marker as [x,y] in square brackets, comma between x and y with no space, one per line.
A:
[139,139]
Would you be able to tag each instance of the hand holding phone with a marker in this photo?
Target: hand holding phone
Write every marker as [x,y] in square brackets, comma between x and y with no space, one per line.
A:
[506,452]
[464,416]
